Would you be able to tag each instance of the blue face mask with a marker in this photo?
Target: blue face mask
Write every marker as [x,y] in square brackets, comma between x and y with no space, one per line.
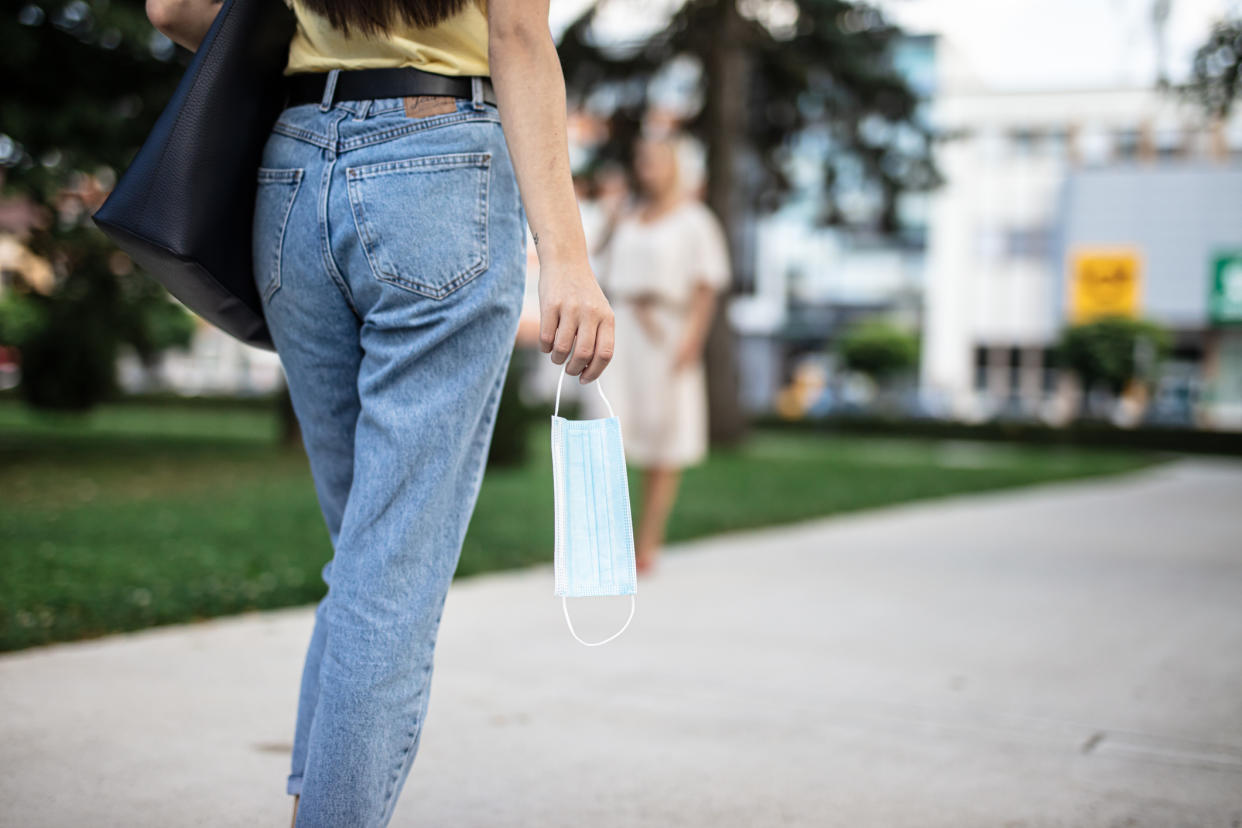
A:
[591,494]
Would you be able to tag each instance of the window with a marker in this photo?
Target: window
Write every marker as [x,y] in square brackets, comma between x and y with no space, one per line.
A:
[1028,242]
[1024,141]
[981,368]
[1126,144]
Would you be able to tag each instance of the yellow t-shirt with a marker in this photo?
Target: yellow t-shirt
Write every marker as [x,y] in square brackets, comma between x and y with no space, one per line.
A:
[455,46]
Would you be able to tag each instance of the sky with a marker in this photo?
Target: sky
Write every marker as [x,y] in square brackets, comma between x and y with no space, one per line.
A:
[1013,44]
[1063,44]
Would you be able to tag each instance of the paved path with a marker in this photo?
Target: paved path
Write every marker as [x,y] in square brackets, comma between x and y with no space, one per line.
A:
[1063,656]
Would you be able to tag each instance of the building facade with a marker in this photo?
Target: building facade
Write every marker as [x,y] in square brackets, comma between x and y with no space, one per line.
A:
[1044,191]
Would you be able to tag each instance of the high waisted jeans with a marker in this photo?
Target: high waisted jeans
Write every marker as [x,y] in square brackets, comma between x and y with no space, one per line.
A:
[390,254]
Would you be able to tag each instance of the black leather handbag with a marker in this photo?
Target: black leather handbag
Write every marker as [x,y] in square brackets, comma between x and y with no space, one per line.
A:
[183,208]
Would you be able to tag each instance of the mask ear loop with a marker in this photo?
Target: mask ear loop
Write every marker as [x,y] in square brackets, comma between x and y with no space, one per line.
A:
[599,387]
[564,603]
[565,607]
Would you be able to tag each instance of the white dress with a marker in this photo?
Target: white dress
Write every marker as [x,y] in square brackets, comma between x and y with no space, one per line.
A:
[663,415]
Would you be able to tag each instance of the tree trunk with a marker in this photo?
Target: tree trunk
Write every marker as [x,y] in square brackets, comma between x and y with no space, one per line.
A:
[726,95]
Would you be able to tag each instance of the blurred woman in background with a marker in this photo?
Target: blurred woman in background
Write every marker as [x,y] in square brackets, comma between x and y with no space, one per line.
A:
[661,267]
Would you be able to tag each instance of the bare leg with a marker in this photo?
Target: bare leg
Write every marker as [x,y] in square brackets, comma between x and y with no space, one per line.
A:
[295,812]
[659,494]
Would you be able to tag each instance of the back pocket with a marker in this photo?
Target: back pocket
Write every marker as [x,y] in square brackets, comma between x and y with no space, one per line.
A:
[273,203]
[423,221]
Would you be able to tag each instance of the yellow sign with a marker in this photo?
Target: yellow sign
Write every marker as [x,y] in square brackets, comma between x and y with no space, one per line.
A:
[1103,282]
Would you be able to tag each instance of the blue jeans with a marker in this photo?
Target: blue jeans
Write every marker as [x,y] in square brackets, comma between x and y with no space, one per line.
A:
[390,254]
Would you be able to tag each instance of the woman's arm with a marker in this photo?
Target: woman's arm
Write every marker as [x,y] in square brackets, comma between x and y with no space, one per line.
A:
[698,324]
[184,22]
[712,265]
[530,93]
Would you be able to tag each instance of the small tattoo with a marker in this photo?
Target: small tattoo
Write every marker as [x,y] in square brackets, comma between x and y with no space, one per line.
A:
[535,236]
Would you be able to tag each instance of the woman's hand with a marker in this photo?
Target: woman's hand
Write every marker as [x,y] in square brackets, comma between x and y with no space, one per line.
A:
[576,320]
[689,352]
[643,309]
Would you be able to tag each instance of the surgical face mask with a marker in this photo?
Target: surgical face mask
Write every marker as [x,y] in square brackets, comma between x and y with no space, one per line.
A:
[591,495]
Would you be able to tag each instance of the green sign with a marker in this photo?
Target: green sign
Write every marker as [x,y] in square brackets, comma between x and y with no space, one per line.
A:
[1225,299]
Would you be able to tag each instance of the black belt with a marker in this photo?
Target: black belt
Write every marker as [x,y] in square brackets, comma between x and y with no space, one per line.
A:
[385,82]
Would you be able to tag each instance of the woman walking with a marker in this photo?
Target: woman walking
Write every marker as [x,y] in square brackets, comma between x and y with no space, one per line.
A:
[390,251]
[662,267]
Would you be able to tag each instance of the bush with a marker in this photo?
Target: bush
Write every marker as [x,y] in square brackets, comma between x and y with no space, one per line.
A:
[21,316]
[1105,351]
[880,350]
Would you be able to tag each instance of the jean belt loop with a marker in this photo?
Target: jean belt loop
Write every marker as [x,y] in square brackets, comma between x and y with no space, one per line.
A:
[476,92]
[329,87]
[363,108]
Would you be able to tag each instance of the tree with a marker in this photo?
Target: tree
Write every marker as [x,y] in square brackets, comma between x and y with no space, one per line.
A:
[1216,72]
[87,81]
[100,301]
[770,74]
[1112,352]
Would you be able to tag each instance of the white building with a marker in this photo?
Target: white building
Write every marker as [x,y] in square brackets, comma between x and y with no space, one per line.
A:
[1033,177]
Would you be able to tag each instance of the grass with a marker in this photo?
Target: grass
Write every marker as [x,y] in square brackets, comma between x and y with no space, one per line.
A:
[131,517]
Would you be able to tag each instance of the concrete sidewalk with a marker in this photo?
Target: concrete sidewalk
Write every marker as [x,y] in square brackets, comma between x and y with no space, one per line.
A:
[1069,655]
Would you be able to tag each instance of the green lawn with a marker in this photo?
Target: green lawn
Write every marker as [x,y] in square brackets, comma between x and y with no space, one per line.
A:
[134,516]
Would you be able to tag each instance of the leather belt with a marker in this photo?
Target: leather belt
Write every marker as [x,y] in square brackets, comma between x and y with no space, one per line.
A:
[382,82]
